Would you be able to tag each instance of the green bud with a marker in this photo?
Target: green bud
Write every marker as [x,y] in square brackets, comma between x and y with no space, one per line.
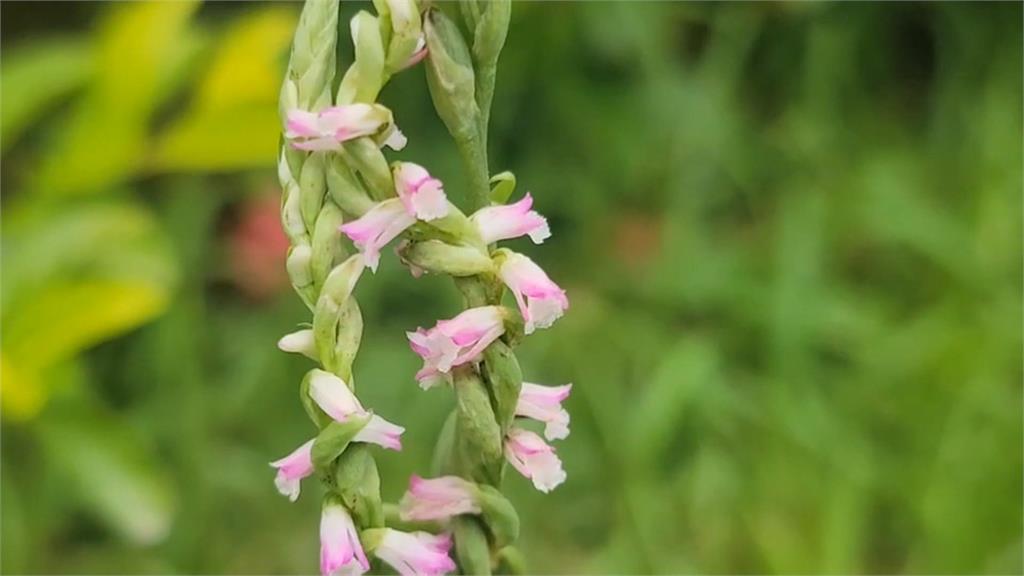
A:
[406,29]
[365,156]
[299,342]
[470,10]
[511,561]
[505,379]
[350,335]
[328,249]
[490,32]
[333,440]
[443,463]
[442,258]
[300,273]
[480,450]
[502,187]
[335,324]
[357,481]
[289,98]
[364,79]
[311,64]
[345,189]
[312,188]
[498,515]
[450,76]
[471,549]
[291,215]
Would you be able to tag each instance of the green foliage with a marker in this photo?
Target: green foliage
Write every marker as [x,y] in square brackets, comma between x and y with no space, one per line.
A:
[790,234]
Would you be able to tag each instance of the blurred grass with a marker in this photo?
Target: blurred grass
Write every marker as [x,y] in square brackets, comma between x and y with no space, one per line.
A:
[791,234]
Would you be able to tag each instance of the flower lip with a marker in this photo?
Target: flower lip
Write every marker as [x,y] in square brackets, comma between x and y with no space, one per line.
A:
[511,221]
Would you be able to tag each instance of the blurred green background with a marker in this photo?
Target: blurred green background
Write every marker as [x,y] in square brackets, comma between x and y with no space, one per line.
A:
[791,234]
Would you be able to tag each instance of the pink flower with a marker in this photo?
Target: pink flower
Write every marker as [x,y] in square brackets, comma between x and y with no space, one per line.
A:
[533,458]
[544,404]
[327,129]
[540,300]
[341,553]
[438,498]
[412,553]
[456,341]
[335,398]
[292,469]
[380,225]
[511,221]
[420,196]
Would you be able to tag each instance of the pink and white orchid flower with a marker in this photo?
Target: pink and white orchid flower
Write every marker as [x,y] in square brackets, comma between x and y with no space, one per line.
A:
[414,553]
[335,398]
[380,225]
[534,459]
[328,128]
[292,469]
[544,404]
[421,194]
[341,552]
[511,221]
[457,341]
[438,498]
[540,300]
[420,197]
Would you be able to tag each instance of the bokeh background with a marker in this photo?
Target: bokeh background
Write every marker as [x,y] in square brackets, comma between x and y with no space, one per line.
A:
[791,233]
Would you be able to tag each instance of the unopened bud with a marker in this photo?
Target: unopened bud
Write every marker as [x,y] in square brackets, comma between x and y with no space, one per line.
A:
[327,246]
[450,76]
[491,30]
[337,322]
[312,188]
[299,272]
[300,342]
[505,379]
[406,32]
[442,258]
[480,439]
[365,78]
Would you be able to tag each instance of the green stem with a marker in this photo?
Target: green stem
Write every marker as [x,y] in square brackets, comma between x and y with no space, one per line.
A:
[484,95]
[474,160]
